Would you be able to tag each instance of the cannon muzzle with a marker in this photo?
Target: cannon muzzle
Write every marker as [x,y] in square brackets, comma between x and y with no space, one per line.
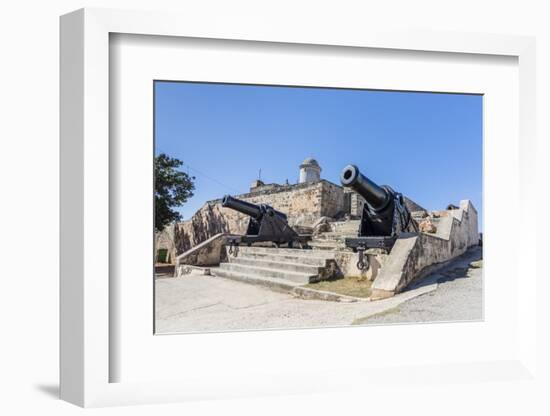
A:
[376,196]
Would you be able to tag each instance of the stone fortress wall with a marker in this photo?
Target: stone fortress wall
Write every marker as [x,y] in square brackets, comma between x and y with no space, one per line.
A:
[303,203]
[329,213]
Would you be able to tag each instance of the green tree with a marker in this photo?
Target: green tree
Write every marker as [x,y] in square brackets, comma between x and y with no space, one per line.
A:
[172,189]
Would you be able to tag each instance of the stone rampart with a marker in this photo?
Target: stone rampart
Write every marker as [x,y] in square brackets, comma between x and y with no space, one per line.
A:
[413,255]
[303,204]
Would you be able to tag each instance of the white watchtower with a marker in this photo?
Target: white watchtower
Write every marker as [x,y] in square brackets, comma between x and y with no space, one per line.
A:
[310,171]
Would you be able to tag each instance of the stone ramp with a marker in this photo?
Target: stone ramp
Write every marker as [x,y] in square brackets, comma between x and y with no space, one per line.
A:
[280,268]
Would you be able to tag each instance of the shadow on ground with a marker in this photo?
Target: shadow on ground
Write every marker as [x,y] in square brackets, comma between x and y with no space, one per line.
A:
[51,390]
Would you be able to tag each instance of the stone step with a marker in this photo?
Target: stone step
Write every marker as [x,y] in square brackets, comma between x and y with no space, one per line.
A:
[296,277]
[334,235]
[326,245]
[326,238]
[345,225]
[350,230]
[276,284]
[294,252]
[352,225]
[312,257]
[272,263]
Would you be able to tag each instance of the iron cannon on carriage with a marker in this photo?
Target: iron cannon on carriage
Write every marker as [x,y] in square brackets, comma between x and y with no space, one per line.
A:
[265,224]
[384,216]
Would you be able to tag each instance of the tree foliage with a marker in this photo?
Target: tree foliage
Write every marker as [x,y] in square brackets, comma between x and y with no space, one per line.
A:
[172,189]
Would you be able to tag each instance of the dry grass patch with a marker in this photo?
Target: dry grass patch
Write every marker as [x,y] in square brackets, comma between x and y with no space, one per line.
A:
[349,286]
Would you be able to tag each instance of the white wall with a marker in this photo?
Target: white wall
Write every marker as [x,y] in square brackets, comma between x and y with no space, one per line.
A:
[29,209]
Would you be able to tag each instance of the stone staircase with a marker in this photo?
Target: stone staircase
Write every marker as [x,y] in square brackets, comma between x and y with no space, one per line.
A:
[334,240]
[277,268]
[286,268]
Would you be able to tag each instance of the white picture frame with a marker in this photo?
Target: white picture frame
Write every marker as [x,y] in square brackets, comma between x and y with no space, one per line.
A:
[87,356]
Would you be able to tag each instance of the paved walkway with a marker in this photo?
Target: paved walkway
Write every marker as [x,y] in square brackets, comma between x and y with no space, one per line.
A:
[459,297]
[197,303]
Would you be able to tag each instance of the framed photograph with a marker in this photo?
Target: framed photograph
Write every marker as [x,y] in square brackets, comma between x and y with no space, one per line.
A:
[320,248]
[252,212]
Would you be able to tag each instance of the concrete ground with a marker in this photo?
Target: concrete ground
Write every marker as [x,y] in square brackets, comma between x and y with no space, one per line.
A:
[459,297]
[197,303]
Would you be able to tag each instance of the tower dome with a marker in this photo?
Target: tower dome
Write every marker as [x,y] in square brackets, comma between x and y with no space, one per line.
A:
[310,171]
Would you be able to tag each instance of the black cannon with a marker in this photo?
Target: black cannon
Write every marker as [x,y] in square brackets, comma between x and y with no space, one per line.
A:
[384,215]
[266,224]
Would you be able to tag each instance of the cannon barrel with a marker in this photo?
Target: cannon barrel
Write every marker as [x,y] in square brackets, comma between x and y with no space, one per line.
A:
[247,208]
[376,196]
[250,209]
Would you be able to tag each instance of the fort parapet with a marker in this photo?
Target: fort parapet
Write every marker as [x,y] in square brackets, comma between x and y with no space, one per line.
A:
[303,203]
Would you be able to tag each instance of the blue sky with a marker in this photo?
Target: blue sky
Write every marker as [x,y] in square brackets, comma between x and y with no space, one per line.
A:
[427,146]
